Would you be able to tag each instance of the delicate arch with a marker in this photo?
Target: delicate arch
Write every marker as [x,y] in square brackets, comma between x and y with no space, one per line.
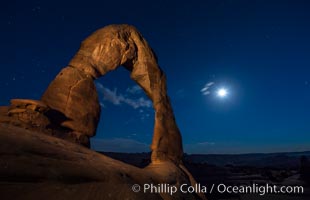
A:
[73,92]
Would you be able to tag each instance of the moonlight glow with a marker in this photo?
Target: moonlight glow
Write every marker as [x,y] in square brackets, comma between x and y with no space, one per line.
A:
[222,92]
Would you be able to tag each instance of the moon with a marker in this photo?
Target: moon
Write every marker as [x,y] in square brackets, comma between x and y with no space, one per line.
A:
[222,92]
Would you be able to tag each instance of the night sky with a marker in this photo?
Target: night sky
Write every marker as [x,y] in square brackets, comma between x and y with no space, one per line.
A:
[259,51]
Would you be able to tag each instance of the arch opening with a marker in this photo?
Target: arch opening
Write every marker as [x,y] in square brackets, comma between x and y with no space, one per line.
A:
[127,116]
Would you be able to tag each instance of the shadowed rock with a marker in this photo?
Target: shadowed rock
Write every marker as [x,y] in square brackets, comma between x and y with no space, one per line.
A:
[39,166]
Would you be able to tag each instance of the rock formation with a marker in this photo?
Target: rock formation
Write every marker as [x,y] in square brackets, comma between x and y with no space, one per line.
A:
[39,166]
[73,92]
[70,109]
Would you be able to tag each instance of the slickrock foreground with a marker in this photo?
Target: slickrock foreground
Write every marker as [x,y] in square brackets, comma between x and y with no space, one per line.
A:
[34,165]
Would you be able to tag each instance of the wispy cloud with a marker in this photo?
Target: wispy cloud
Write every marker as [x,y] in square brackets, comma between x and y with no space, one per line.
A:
[205,143]
[134,89]
[206,89]
[144,116]
[201,147]
[137,103]
[117,98]
[119,145]
[209,84]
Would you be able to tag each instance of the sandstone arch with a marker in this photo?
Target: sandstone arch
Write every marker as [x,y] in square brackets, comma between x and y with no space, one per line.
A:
[73,92]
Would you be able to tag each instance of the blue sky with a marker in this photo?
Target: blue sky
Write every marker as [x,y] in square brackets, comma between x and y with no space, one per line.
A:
[258,50]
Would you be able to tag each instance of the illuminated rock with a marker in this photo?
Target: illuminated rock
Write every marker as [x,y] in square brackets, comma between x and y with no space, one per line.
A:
[73,92]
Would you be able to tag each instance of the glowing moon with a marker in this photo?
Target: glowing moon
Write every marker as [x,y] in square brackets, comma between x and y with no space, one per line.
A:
[222,92]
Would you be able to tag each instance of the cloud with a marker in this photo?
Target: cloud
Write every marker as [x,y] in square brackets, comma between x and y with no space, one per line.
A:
[102,104]
[144,116]
[200,148]
[238,147]
[117,99]
[209,84]
[137,103]
[134,89]
[119,145]
[205,143]
[205,89]
[109,95]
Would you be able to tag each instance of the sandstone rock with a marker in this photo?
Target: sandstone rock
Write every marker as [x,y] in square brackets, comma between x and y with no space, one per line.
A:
[38,166]
[30,104]
[27,113]
[4,117]
[37,116]
[73,93]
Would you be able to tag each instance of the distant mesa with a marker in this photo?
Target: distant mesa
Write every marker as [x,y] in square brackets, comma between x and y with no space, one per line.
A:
[69,109]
